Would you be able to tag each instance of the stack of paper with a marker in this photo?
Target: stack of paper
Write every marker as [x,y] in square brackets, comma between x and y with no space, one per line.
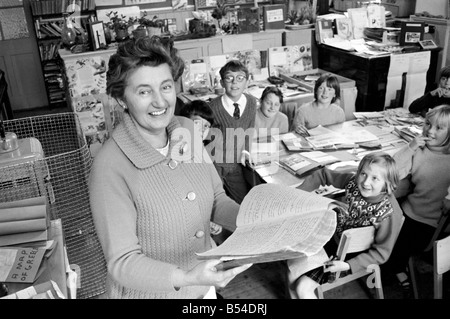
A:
[23,221]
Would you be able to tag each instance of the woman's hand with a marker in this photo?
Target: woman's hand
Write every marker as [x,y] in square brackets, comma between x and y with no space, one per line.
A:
[206,274]
[418,142]
[336,265]
[302,130]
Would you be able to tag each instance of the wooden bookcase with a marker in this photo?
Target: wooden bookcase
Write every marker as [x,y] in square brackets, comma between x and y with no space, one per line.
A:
[48,21]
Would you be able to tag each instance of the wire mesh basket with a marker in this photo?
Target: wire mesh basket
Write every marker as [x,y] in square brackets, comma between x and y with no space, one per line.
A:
[62,175]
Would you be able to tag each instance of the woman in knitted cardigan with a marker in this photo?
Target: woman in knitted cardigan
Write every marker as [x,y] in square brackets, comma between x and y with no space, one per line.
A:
[153,187]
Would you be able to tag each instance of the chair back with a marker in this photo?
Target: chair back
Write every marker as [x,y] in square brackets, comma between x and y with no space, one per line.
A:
[355,240]
[442,255]
[440,229]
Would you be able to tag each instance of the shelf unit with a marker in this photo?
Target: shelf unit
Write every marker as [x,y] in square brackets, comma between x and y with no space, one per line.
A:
[48,21]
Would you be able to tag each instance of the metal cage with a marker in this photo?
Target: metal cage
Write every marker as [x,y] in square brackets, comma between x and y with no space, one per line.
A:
[62,175]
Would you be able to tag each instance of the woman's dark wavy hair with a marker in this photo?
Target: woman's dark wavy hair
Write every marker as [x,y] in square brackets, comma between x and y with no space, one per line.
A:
[274,90]
[331,82]
[135,53]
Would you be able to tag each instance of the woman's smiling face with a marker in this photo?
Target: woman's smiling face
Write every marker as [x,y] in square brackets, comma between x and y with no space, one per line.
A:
[151,97]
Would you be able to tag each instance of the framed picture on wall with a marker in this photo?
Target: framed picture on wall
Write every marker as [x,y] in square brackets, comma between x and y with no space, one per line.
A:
[97,35]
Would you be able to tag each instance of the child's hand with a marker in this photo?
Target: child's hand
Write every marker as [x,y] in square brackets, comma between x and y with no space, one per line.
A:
[441,92]
[302,130]
[246,157]
[335,265]
[418,142]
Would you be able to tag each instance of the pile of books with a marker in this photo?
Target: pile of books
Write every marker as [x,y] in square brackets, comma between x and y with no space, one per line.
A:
[24,244]
[24,221]
[408,133]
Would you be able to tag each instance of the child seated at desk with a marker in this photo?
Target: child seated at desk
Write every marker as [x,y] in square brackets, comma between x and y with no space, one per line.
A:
[424,166]
[440,95]
[370,199]
[324,110]
[269,119]
[234,114]
[203,117]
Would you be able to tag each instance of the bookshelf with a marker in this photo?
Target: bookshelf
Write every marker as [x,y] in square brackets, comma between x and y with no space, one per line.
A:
[48,21]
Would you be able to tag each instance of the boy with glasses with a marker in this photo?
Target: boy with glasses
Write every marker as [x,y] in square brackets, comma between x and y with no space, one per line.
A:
[438,96]
[234,114]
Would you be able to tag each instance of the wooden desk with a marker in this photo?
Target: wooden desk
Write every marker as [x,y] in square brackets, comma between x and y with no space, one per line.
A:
[5,104]
[369,72]
[55,265]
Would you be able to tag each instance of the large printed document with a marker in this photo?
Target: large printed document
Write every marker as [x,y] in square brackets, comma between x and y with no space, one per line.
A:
[277,222]
[407,77]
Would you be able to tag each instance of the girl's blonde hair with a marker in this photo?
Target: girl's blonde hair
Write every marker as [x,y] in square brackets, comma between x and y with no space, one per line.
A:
[384,160]
[439,116]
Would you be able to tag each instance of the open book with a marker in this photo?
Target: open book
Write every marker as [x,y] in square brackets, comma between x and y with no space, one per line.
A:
[277,222]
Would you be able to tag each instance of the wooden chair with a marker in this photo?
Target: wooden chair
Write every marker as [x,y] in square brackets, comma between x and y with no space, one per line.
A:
[441,254]
[352,241]
[442,224]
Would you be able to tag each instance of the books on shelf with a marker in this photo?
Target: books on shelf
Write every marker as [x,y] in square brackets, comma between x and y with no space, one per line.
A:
[39,7]
[277,222]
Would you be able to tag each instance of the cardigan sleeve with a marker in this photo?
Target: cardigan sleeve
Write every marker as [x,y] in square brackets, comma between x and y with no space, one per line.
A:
[385,237]
[325,176]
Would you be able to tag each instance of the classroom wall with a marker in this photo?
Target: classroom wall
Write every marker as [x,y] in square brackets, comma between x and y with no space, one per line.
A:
[434,7]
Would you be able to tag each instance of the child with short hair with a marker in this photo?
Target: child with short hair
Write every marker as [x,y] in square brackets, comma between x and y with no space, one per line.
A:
[268,115]
[370,200]
[200,112]
[324,110]
[234,113]
[203,117]
[425,164]
[440,95]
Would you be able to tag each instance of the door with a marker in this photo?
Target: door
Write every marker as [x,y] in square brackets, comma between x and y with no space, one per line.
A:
[19,57]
